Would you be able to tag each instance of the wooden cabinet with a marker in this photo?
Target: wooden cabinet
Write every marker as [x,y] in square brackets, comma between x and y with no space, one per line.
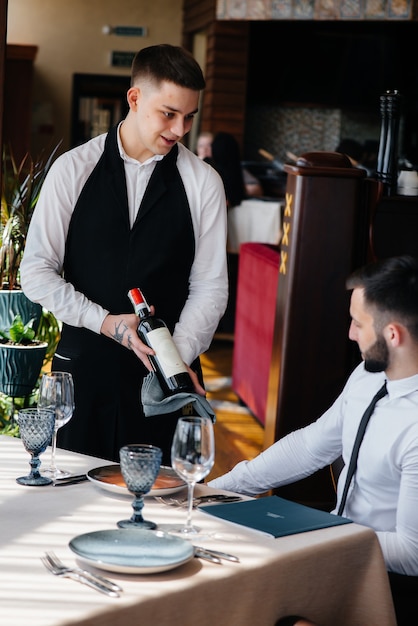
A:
[98,103]
[324,240]
[17,113]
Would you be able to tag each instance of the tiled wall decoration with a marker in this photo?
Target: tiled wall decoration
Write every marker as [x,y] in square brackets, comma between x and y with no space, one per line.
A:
[303,129]
[351,9]
[316,9]
[399,9]
[294,129]
[375,9]
[303,9]
[281,9]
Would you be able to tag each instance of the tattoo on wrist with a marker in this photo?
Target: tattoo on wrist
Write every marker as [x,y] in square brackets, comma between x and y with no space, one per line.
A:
[118,334]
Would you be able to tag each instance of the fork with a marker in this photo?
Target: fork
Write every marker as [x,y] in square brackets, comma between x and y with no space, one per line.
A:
[83,577]
[55,562]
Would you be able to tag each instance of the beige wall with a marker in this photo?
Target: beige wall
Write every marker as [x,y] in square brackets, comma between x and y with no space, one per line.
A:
[70,40]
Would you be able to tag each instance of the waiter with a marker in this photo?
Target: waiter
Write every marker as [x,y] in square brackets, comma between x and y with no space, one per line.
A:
[130,208]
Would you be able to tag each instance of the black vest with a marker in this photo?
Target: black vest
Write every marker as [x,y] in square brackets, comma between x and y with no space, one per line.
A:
[104,257]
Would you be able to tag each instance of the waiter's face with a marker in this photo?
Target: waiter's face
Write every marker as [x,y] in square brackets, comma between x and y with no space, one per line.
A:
[163,114]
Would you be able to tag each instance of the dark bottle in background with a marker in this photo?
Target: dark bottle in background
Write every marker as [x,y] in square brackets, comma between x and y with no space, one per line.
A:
[167,362]
[387,158]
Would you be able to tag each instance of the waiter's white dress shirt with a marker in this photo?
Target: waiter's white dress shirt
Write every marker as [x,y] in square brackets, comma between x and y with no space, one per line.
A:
[41,268]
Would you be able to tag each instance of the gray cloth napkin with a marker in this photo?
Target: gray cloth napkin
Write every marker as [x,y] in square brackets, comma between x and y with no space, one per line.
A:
[156,403]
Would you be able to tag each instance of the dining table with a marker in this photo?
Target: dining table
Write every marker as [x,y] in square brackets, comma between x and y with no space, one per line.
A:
[334,576]
[254,219]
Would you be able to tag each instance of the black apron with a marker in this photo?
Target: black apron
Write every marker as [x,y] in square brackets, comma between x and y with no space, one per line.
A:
[104,258]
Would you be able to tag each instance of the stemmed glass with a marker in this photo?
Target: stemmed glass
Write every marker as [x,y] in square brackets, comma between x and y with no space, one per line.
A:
[139,464]
[192,457]
[56,392]
[36,427]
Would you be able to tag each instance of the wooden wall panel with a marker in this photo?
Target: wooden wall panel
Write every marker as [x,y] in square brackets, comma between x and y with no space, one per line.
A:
[17,99]
[3,30]
[223,105]
[226,74]
[197,15]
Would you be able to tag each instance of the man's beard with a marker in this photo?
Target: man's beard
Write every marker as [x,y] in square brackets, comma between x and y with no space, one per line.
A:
[376,359]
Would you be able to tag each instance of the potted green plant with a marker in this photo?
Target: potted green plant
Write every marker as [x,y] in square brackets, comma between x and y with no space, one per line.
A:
[20,189]
[17,349]
[21,358]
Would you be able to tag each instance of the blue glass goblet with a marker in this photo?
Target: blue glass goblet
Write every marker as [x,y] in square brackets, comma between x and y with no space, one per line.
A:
[36,427]
[139,464]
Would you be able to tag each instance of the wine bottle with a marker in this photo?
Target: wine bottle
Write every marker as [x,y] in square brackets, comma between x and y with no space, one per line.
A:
[166,362]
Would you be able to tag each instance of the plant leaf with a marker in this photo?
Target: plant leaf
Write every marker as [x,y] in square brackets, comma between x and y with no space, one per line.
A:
[18,331]
[21,186]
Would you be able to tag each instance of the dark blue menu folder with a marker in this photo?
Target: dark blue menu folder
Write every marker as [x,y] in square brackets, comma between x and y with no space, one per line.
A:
[275,516]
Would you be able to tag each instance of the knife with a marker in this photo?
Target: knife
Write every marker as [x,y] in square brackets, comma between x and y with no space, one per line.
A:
[207,556]
[70,480]
[217,497]
[221,498]
[94,584]
[219,555]
[98,579]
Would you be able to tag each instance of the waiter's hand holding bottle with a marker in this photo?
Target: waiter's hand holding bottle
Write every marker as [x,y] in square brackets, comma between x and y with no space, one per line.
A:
[123,328]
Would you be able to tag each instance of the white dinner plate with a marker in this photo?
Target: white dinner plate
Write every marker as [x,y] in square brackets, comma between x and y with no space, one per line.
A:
[132,551]
[109,477]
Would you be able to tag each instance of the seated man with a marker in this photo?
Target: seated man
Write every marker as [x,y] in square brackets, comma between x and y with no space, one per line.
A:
[384,491]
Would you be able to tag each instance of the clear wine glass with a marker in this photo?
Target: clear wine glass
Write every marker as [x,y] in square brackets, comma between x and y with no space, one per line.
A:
[192,457]
[139,464]
[56,392]
[36,427]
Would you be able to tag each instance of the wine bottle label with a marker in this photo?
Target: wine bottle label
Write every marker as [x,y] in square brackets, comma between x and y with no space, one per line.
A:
[166,351]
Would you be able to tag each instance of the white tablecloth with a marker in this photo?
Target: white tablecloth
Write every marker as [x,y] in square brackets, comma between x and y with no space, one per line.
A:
[254,220]
[335,576]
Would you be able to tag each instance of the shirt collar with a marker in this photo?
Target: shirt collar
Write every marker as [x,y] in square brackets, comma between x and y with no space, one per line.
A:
[403,386]
[128,159]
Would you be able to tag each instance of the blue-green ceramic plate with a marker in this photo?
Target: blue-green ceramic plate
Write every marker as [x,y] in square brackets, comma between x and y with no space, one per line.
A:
[132,551]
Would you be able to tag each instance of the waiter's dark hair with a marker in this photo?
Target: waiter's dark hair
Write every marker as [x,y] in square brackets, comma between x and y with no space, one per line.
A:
[165,62]
[391,288]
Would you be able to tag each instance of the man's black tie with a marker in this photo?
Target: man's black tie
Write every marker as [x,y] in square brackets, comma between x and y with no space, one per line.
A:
[359,437]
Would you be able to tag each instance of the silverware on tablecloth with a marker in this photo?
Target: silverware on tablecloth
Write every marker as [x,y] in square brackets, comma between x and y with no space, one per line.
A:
[54,560]
[220,497]
[94,581]
[70,480]
[206,556]
[218,554]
